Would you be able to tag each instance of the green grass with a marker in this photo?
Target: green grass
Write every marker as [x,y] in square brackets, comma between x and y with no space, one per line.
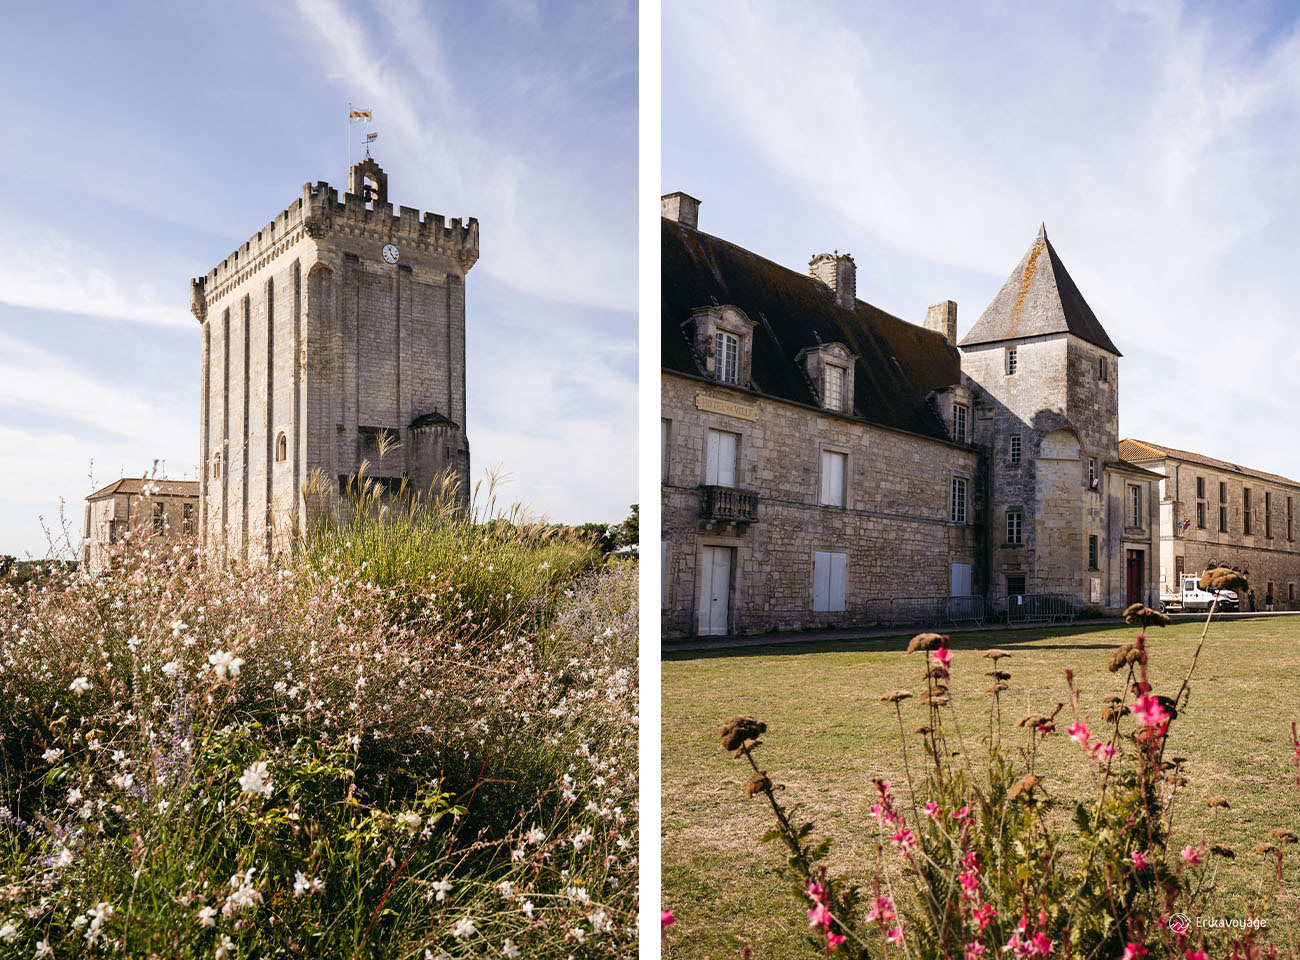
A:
[828,735]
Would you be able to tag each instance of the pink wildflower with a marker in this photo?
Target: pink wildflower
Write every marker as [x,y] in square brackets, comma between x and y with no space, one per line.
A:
[932,809]
[943,656]
[1139,861]
[1197,955]
[1148,711]
[961,814]
[666,919]
[1193,856]
[1134,951]
[833,939]
[904,838]
[819,916]
[984,915]
[816,892]
[882,910]
[895,935]
[1042,944]
[974,949]
[1079,733]
[970,883]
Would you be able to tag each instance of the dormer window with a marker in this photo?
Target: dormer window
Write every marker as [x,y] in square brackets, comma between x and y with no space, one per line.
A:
[726,357]
[724,343]
[960,416]
[834,389]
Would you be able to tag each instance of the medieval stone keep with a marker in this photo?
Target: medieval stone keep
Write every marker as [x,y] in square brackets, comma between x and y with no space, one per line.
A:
[334,335]
[824,461]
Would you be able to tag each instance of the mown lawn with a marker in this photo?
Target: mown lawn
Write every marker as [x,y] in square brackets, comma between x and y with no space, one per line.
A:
[828,735]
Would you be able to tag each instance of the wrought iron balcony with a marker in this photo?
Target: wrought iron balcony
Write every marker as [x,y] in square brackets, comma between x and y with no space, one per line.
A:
[728,505]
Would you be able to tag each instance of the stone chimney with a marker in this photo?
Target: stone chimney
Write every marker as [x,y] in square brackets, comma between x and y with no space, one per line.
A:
[942,319]
[838,271]
[680,207]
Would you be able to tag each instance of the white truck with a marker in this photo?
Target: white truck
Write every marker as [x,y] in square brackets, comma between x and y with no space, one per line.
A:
[1190,598]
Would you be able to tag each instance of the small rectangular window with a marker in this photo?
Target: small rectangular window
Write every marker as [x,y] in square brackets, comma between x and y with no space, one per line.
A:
[1015,584]
[1200,516]
[958,500]
[1290,591]
[159,517]
[1092,552]
[1223,519]
[1245,511]
[1134,506]
[1011,360]
[1015,448]
[1092,473]
[1014,520]
[834,387]
[1288,520]
[1223,492]
[665,436]
[1268,514]
[833,478]
[1101,368]
[187,518]
[1200,488]
[726,348]
[959,415]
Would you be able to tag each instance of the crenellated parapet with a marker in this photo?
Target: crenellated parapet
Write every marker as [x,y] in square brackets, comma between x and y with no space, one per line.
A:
[319,213]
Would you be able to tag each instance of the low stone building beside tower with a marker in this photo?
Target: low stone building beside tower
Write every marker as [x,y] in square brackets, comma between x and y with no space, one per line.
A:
[828,464]
[336,332]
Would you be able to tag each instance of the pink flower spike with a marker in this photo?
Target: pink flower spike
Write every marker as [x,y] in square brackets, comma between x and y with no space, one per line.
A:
[816,892]
[1193,856]
[1042,944]
[974,949]
[1079,733]
[932,809]
[1139,861]
[666,919]
[895,935]
[1148,711]
[904,838]
[1134,951]
[943,656]
[961,814]
[833,939]
[819,916]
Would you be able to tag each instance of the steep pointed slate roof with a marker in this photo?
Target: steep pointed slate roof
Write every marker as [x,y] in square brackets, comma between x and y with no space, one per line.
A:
[1039,298]
[898,365]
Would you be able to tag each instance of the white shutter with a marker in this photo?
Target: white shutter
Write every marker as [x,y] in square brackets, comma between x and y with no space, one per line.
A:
[711,458]
[833,479]
[960,580]
[721,469]
[830,571]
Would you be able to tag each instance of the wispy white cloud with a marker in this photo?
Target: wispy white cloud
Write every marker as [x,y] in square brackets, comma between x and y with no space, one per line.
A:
[1155,139]
[547,228]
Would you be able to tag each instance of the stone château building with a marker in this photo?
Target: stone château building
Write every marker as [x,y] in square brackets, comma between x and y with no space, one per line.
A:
[821,456]
[334,334]
[141,507]
[1215,512]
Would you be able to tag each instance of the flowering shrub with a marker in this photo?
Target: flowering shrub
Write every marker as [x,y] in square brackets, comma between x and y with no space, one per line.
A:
[306,759]
[974,858]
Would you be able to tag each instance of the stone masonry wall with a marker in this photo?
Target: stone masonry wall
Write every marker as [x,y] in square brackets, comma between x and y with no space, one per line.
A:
[895,526]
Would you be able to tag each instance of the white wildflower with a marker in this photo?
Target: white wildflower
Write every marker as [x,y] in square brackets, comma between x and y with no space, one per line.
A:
[80,685]
[225,948]
[208,917]
[506,888]
[171,668]
[578,934]
[584,837]
[43,950]
[443,887]
[8,932]
[52,755]
[224,662]
[256,779]
[464,927]
[536,835]
[510,951]
[409,819]
[526,908]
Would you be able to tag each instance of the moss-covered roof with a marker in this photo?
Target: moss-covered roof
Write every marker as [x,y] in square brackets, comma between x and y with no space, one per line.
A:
[1040,297]
[898,364]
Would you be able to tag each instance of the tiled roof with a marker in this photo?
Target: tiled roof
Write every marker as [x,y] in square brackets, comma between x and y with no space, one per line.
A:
[1140,450]
[135,485]
[1039,298]
[899,363]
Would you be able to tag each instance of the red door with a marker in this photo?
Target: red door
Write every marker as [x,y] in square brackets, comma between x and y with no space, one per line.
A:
[1134,570]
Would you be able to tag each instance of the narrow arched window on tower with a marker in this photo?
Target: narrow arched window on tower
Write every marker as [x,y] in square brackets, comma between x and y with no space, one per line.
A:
[281,448]
[216,465]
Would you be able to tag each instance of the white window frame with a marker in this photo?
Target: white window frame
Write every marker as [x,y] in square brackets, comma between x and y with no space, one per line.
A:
[1134,505]
[1015,527]
[726,357]
[960,422]
[958,505]
[714,475]
[835,378]
[1013,361]
[834,490]
[1092,472]
[1015,448]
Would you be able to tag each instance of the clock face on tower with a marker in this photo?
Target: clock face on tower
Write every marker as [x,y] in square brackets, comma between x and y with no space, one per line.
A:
[389,253]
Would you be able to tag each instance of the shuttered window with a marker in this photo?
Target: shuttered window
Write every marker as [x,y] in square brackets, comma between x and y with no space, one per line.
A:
[720,462]
[829,572]
[833,478]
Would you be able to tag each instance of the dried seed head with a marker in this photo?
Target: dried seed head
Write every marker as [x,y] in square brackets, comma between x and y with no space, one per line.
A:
[894,696]
[1144,616]
[922,730]
[996,688]
[935,670]
[937,699]
[1263,848]
[1111,712]
[758,783]
[1284,836]
[736,730]
[998,675]
[925,641]
[1119,658]
[1175,779]
[1030,720]
[1024,786]
[1223,578]
[1221,850]
[745,747]
[996,654]
[1113,700]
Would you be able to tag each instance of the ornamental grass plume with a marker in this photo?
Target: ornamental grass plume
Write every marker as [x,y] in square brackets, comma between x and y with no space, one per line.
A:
[1144,616]
[995,654]
[894,696]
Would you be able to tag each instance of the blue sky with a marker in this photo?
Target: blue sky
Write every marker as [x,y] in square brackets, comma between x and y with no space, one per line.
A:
[154,138]
[1156,139]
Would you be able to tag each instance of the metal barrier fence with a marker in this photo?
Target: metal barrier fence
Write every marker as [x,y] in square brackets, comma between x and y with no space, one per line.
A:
[1040,607]
[906,610]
